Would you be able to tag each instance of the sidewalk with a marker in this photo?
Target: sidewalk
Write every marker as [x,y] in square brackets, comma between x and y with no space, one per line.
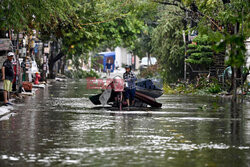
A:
[5,111]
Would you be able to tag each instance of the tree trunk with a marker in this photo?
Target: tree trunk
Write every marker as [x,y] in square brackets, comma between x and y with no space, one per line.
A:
[52,61]
[234,84]
[63,65]
[236,29]
[51,72]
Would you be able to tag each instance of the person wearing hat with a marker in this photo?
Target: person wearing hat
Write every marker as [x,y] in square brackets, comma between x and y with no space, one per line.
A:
[130,78]
[7,77]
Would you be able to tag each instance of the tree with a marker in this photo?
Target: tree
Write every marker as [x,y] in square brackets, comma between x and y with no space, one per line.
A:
[48,17]
[200,52]
[27,15]
[79,25]
[168,45]
[225,22]
[148,13]
[104,24]
[230,30]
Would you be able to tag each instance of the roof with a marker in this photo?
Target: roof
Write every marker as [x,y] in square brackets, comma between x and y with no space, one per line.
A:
[107,54]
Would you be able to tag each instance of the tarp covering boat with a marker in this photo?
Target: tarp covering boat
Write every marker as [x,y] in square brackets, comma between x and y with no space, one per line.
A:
[147,87]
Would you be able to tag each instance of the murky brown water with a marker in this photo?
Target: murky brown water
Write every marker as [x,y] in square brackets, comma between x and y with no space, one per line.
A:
[60,127]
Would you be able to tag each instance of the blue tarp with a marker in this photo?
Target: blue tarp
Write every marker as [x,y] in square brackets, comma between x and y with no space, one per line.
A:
[106,56]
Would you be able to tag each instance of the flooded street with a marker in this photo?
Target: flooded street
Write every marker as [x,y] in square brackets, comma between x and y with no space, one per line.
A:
[59,126]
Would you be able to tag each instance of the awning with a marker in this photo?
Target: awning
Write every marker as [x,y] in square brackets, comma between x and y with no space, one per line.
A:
[106,56]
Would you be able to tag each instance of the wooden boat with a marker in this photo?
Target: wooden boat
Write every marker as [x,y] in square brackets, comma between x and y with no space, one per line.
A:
[145,95]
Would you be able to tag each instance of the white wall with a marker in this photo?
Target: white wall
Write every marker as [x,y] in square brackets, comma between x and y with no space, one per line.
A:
[118,55]
[121,55]
[137,63]
[129,59]
[124,57]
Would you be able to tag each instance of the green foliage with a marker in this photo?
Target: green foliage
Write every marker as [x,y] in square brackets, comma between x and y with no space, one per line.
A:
[200,51]
[26,15]
[168,90]
[201,87]
[80,25]
[214,88]
[149,15]
[104,24]
[149,72]
[204,86]
[143,26]
[179,89]
[236,49]
[168,45]
[227,25]
[95,63]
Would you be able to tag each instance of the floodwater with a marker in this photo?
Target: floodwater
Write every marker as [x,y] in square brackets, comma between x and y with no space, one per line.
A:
[60,127]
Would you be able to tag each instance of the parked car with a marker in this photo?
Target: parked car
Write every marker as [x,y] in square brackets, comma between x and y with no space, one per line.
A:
[145,62]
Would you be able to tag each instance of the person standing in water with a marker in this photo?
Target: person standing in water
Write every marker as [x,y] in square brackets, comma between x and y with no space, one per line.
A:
[130,89]
[108,67]
[7,77]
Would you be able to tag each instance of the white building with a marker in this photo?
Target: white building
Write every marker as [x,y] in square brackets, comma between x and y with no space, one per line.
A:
[124,57]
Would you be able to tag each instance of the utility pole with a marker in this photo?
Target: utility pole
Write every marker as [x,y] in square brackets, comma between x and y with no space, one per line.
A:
[185,44]
[235,70]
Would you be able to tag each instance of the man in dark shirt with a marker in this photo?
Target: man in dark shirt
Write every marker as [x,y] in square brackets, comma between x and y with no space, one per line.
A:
[109,67]
[130,89]
[7,77]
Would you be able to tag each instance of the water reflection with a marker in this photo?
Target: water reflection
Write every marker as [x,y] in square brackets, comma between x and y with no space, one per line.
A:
[60,127]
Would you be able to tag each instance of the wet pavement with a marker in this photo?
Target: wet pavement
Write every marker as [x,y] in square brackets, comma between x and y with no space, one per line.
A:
[59,126]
